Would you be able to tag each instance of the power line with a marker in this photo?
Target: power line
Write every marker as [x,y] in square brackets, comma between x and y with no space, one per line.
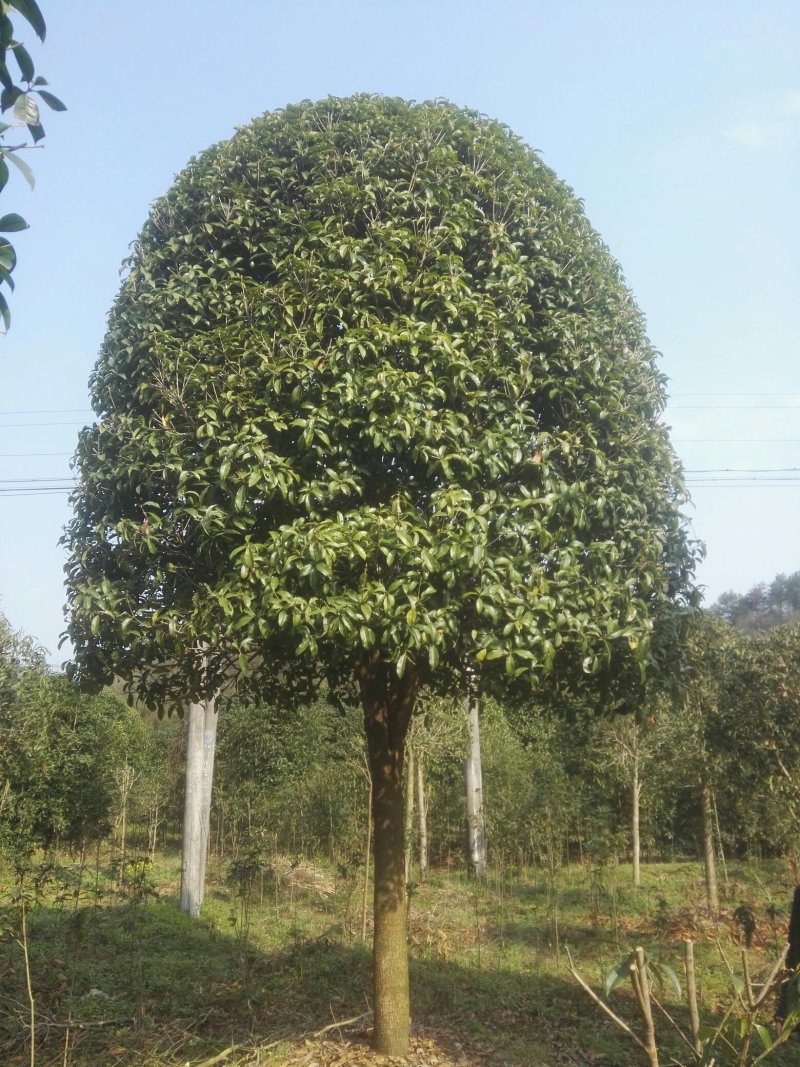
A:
[33,481]
[736,440]
[48,411]
[17,425]
[778,392]
[741,470]
[742,485]
[746,479]
[735,407]
[35,490]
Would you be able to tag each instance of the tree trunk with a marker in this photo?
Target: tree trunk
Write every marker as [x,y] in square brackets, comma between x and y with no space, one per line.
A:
[422,808]
[408,819]
[201,740]
[473,780]
[636,841]
[125,780]
[367,853]
[709,860]
[388,705]
[153,837]
[123,833]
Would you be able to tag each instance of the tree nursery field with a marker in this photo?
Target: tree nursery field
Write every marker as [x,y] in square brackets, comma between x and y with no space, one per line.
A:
[275,971]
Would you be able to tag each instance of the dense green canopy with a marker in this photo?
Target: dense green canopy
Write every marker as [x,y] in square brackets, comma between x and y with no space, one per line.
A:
[372,386]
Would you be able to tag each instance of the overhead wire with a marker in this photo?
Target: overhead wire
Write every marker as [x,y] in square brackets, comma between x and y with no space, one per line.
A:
[742,477]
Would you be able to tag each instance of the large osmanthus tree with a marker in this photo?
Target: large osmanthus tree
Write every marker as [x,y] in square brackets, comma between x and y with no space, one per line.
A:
[373,402]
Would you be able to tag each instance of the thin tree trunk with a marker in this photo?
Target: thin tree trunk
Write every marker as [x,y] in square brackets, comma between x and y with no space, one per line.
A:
[201,739]
[719,842]
[367,853]
[473,780]
[123,831]
[408,818]
[709,860]
[422,808]
[154,824]
[636,842]
[125,782]
[388,705]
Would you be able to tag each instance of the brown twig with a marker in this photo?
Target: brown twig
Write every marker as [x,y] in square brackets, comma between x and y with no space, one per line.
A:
[231,1049]
[672,1022]
[614,1018]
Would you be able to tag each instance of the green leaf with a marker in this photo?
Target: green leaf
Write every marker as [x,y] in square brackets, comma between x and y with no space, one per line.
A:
[8,257]
[26,110]
[662,971]
[37,132]
[4,312]
[12,223]
[24,60]
[29,10]
[5,276]
[52,101]
[9,96]
[6,30]
[3,170]
[764,1036]
[21,166]
[617,975]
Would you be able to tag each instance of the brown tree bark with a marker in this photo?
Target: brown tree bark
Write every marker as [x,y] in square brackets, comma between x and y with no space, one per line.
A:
[388,705]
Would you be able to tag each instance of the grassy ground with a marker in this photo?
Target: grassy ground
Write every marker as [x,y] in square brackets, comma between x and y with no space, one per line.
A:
[121,976]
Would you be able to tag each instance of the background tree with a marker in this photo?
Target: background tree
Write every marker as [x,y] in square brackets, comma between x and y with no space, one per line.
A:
[375,402]
[22,100]
[759,737]
[59,763]
[763,606]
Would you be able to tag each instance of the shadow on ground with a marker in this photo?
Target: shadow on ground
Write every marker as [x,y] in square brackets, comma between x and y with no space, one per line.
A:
[141,983]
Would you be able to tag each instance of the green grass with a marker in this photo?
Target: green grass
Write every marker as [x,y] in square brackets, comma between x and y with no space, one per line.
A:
[126,978]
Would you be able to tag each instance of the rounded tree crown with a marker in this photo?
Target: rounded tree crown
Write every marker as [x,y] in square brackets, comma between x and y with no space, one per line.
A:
[372,386]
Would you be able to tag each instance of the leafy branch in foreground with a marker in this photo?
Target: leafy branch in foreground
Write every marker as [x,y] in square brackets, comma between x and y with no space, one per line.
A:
[737,1040]
[21,97]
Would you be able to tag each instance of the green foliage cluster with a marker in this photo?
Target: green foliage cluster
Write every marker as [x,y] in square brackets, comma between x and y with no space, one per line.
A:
[372,382]
[296,784]
[61,753]
[22,101]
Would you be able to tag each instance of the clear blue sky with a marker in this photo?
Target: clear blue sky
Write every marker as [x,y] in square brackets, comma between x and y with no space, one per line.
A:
[678,125]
